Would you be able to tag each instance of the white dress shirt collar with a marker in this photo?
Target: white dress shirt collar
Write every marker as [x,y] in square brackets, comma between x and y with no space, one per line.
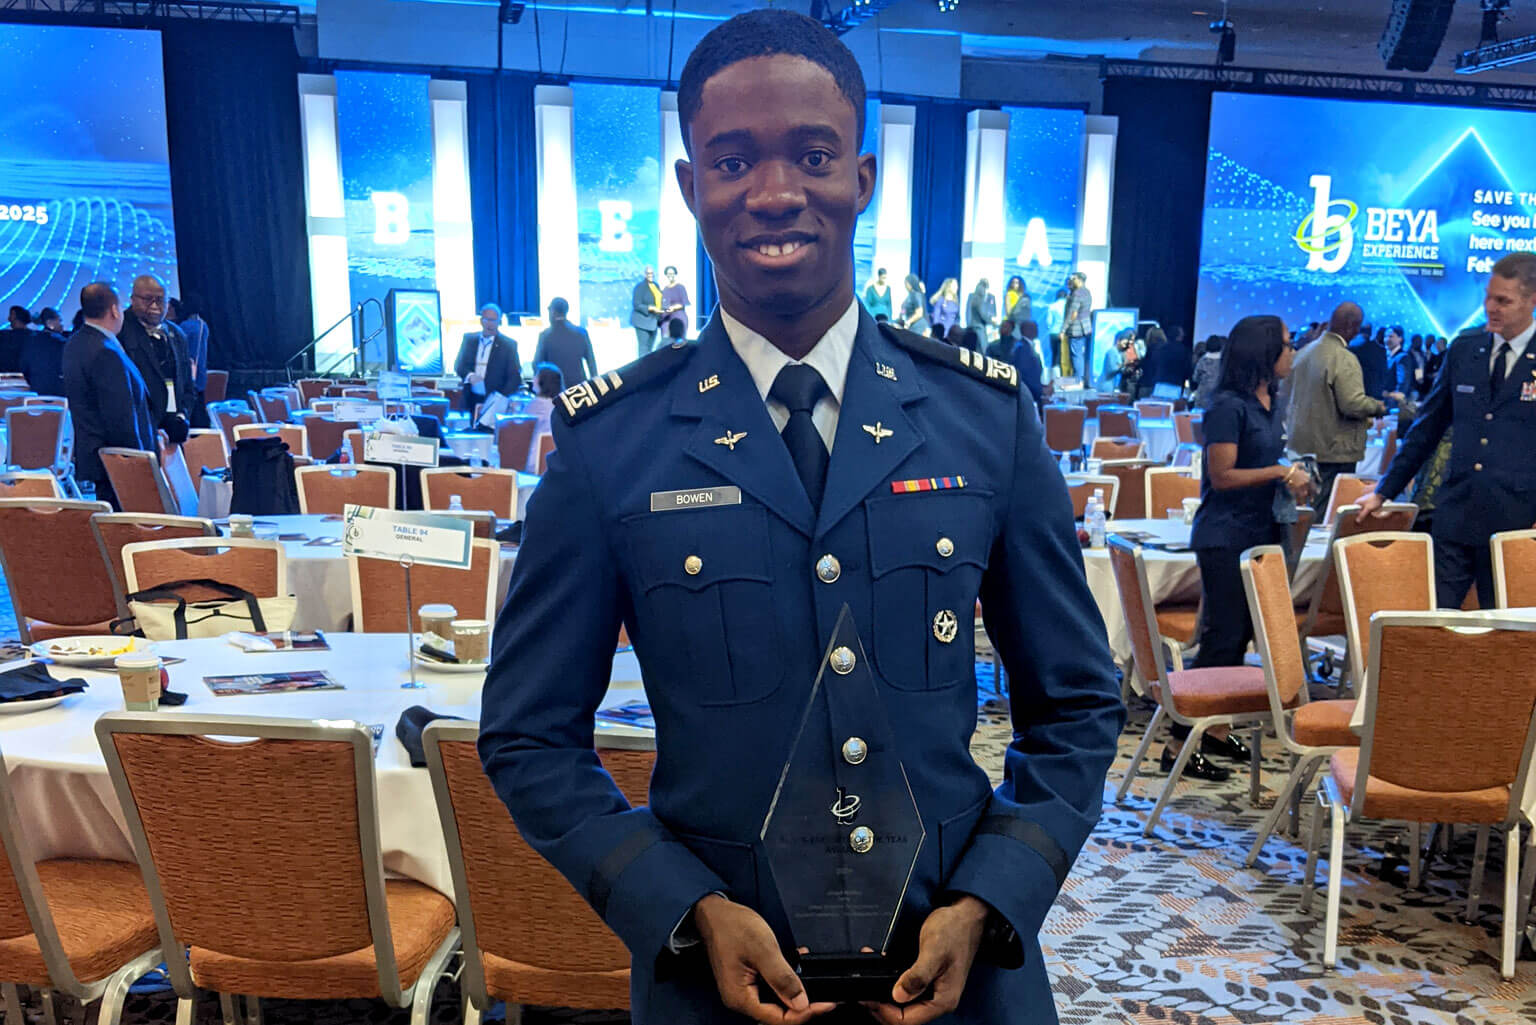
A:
[829,356]
[98,325]
[1517,344]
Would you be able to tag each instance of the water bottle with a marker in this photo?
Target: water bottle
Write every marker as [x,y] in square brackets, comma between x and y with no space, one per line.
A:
[455,503]
[1094,518]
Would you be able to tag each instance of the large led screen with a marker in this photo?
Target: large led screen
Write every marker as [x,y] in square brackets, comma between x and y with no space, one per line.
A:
[1401,208]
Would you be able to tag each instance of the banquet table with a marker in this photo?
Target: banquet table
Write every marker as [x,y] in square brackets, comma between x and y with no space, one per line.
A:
[214,495]
[1160,437]
[66,802]
[1173,576]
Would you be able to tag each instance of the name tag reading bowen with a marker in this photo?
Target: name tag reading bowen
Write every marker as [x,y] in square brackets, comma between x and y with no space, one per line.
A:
[701,498]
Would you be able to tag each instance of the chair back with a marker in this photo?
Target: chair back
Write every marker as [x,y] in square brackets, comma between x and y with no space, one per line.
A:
[1081,486]
[322,407]
[1154,409]
[217,386]
[254,564]
[326,436]
[46,400]
[514,441]
[366,394]
[1381,572]
[1184,428]
[1093,403]
[1118,448]
[43,544]
[1131,500]
[1417,736]
[329,489]
[434,406]
[205,448]
[1118,422]
[288,794]
[226,416]
[546,446]
[30,484]
[1388,448]
[479,488]
[1348,489]
[353,439]
[10,400]
[515,911]
[138,481]
[1268,584]
[35,436]
[310,389]
[378,589]
[1514,569]
[1167,487]
[292,434]
[1064,428]
[1184,455]
[1325,598]
[483,523]
[272,406]
[115,531]
[1301,532]
[1130,570]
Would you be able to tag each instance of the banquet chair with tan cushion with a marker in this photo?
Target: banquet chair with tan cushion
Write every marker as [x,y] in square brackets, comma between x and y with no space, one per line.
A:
[1514,569]
[1348,489]
[529,938]
[58,582]
[1154,409]
[217,386]
[36,437]
[354,441]
[1198,698]
[1382,572]
[257,565]
[205,449]
[1064,430]
[273,406]
[226,416]
[378,589]
[326,436]
[310,389]
[81,926]
[1423,758]
[14,400]
[29,484]
[1167,487]
[546,446]
[1130,503]
[1081,486]
[477,488]
[434,406]
[1117,422]
[482,522]
[46,400]
[1184,428]
[280,892]
[514,441]
[1117,448]
[115,531]
[1301,532]
[329,489]
[139,481]
[293,435]
[1310,730]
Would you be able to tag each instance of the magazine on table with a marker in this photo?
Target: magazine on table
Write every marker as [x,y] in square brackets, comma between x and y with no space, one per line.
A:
[631,713]
[271,683]
[279,640]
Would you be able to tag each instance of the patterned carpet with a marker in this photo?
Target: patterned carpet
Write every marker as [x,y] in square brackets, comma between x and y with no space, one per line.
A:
[1173,930]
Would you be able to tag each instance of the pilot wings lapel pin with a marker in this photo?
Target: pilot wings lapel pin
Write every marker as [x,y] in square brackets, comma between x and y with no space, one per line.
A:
[730,439]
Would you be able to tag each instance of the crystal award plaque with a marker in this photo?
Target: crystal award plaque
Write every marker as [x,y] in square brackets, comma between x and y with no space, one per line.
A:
[843,832]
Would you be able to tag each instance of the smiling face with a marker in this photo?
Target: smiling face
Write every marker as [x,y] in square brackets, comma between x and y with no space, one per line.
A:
[776,183]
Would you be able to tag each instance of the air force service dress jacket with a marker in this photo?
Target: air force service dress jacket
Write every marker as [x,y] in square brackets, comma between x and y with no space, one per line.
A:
[939,490]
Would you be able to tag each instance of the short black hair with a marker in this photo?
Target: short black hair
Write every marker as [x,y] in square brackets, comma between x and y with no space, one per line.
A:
[764,33]
[97,299]
[669,269]
[21,313]
[548,380]
[1249,357]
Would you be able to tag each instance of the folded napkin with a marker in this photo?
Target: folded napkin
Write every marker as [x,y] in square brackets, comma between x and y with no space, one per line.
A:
[32,681]
[412,721]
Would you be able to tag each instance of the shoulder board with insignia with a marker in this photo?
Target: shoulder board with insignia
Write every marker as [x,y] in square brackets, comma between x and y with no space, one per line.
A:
[579,401]
[996,372]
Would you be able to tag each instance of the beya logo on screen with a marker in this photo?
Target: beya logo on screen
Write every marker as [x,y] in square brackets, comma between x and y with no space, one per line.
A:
[1326,237]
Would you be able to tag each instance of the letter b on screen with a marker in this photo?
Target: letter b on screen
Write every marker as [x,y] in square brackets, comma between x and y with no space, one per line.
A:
[391,218]
[615,236]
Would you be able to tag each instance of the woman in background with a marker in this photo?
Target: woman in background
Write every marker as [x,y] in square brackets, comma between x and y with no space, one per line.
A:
[1016,303]
[1207,368]
[944,305]
[877,295]
[914,311]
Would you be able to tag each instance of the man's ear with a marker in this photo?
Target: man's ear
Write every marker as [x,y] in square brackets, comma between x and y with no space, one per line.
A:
[684,172]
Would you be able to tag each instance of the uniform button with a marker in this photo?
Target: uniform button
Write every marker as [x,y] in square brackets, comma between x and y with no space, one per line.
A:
[843,661]
[945,547]
[861,840]
[828,569]
[692,565]
[855,751]
[1485,441]
[1477,466]
[1487,416]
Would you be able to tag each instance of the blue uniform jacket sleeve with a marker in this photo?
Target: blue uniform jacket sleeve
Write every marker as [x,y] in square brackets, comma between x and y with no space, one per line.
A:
[551,663]
[1425,434]
[1063,698]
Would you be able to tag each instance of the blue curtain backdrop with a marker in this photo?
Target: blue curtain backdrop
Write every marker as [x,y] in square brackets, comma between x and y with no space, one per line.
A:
[938,191]
[709,295]
[504,190]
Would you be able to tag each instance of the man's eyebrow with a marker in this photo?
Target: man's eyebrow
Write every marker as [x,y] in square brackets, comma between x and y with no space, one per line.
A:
[817,132]
[731,137]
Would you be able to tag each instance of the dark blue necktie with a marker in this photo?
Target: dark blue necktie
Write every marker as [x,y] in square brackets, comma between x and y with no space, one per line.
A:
[1499,371]
[800,387]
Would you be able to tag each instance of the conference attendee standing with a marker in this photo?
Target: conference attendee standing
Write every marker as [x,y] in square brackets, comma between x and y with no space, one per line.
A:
[1486,397]
[674,300]
[877,296]
[565,345]
[42,361]
[1371,353]
[487,362]
[14,338]
[944,306]
[648,306]
[914,308]
[108,400]
[1017,305]
[981,311]
[804,421]
[159,349]
[1024,355]
[1167,362]
[1076,326]
[189,317]
[1329,410]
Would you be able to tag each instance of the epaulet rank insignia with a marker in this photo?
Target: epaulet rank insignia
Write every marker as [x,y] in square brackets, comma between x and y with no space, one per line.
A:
[996,372]
[582,400]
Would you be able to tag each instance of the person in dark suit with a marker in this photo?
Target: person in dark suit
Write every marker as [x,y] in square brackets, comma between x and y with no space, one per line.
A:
[42,361]
[1486,396]
[108,400]
[1372,354]
[847,466]
[487,362]
[1023,354]
[565,345]
[189,317]
[14,338]
[159,349]
[648,307]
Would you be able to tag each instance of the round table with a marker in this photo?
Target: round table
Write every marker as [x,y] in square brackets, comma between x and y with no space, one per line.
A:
[214,495]
[66,802]
[1159,436]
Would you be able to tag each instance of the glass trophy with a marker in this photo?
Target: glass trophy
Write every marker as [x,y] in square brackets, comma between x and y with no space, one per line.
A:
[843,832]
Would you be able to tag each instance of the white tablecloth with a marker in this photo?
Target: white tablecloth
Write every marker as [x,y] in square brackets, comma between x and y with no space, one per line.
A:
[1173,576]
[1371,466]
[66,803]
[213,496]
[1159,436]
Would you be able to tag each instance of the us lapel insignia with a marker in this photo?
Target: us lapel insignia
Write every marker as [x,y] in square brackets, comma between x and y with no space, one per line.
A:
[886,371]
[730,439]
[712,381]
[878,432]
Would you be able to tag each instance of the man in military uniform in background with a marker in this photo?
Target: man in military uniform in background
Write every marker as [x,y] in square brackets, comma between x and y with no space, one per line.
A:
[796,459]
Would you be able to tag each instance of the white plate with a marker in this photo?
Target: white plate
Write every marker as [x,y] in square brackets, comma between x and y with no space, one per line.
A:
[35,705]
[449,667]
[43,649]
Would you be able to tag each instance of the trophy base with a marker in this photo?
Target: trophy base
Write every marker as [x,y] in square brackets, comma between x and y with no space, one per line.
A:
[848,978]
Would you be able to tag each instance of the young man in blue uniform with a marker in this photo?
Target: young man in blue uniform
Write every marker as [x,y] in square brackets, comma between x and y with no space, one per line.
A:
[796,459]
[1486,390]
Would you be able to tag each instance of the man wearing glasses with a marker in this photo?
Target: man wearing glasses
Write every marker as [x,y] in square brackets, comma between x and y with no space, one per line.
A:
[159,349]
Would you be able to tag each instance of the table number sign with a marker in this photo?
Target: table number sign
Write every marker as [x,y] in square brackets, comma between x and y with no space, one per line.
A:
[362,412]
[403,449]
[424,538]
